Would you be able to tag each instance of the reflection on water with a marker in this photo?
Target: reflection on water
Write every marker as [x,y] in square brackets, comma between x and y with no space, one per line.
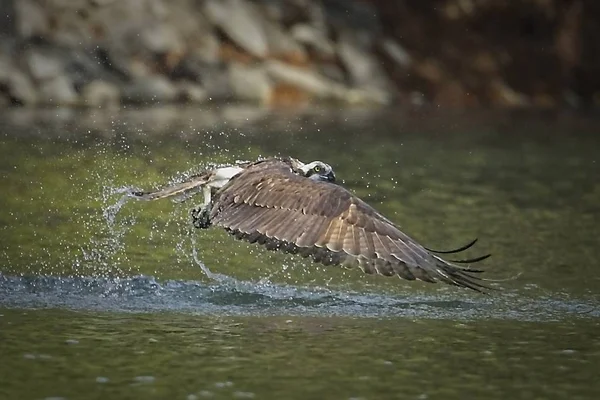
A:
[123,299]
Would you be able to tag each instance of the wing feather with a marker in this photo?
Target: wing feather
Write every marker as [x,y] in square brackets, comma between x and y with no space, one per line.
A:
[402,270]
[354,250]
[282,220]
[238,215]
[384,267]
[336,241]
[348,242]
[325,238]
[288,212]
[282,230]
[369,250]
[312,232]
[300,225]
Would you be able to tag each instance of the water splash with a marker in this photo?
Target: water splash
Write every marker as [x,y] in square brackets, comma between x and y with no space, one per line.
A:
[99,255]
[110,212]
[231,297]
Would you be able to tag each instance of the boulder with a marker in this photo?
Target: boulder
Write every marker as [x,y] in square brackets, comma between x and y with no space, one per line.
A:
[241,23]
[303,78]
[58,91]
[148,90]
[250,83]
[101,94]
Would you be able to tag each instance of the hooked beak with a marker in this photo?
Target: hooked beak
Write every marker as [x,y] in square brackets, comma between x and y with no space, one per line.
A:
[330,177]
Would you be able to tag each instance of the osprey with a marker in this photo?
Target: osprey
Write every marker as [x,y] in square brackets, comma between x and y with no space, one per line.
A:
[294,207]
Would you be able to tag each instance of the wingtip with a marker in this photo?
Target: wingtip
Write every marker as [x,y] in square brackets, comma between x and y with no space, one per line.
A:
[458,250]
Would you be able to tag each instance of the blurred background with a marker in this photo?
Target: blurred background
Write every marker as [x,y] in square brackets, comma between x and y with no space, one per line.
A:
[293,53]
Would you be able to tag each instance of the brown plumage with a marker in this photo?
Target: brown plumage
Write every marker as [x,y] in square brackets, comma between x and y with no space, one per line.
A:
[272,203]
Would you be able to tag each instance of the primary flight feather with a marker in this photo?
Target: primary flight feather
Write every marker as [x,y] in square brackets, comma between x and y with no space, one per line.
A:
[294,207]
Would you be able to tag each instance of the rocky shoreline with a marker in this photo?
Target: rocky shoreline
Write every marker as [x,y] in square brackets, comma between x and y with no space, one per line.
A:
[289,53]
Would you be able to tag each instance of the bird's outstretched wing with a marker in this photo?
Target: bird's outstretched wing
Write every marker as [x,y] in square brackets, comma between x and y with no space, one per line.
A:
[283,211]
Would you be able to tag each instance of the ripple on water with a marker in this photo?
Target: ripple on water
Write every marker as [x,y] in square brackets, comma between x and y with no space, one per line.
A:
[144,379]
[232,297]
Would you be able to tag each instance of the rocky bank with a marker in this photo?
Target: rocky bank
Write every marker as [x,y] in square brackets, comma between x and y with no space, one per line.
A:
[448,53]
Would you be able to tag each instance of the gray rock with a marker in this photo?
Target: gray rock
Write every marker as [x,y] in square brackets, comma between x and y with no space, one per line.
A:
[250,83]
[280,42]
[58,90]
[367,95]
[31,18]
[195,31]
[503,95]
[364,70]
[313,37]
[150,89]
[303,78]
[215,80]
[207,48]
[212,77]
[322,87]
[241,22]
[362,67]
[161,38]
[275,10]
[317,15]
[43,65]
[101,94]
[396,52]
[332,71]
[18,88]
[122,64]
[4,100]
[191,92]
[21,89]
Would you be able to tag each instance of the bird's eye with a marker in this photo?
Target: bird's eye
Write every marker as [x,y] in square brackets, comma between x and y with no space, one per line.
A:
[317,169]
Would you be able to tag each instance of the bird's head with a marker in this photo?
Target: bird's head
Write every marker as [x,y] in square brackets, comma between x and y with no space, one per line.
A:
[316,170]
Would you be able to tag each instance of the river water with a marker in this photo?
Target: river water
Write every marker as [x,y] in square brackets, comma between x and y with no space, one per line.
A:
[105,298]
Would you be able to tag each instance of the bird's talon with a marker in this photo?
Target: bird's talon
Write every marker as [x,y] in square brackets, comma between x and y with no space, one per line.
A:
[200,218]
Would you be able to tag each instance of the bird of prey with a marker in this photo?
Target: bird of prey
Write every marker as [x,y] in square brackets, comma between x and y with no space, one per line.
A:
[287,205]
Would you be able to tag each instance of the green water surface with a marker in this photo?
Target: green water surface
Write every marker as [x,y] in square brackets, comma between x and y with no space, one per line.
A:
[95,304]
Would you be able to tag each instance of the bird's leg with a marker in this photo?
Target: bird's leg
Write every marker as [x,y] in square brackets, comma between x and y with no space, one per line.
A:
[201,216]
